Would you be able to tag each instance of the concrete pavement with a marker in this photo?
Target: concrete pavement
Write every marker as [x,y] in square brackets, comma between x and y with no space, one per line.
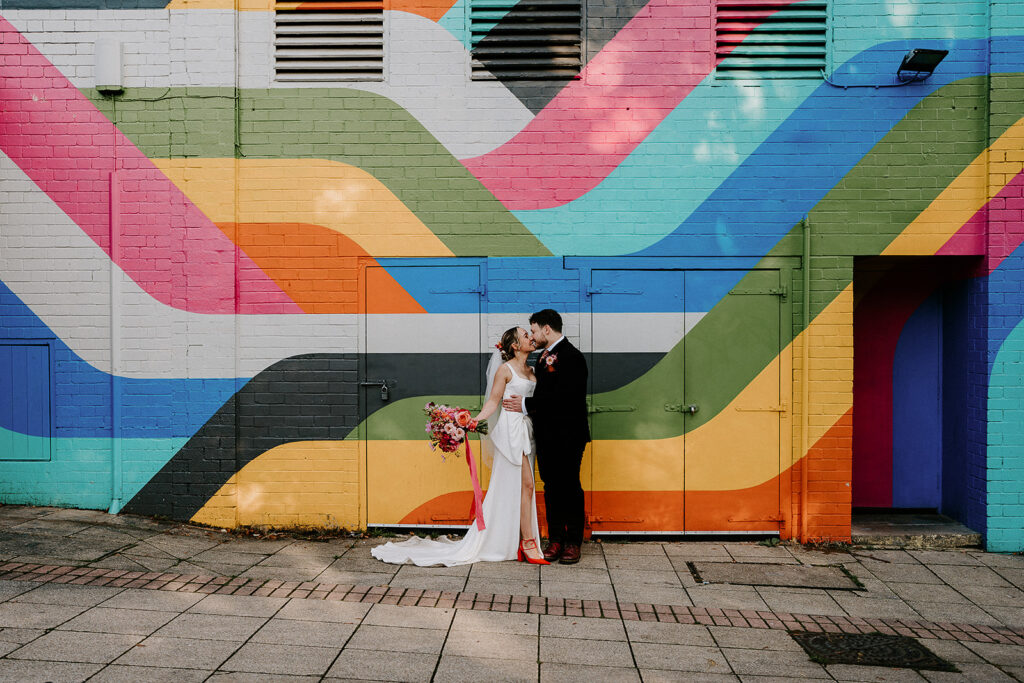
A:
[89,596]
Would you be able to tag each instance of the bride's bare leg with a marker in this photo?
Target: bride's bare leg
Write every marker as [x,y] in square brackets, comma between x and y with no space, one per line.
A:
[526,510]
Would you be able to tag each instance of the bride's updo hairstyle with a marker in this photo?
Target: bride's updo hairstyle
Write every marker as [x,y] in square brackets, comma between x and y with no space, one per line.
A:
[510,337]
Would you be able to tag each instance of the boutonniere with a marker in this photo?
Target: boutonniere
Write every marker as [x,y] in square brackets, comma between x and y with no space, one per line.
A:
[550,362]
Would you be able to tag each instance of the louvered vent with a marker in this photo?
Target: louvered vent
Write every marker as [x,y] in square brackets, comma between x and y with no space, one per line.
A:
[770,39]
[329,40]
[526,40]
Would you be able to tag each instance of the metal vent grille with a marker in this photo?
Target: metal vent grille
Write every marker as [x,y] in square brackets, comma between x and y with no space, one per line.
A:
[770,39]
[525,40]
[329,40]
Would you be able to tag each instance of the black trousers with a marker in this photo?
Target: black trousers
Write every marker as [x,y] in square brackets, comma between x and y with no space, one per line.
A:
[559,466]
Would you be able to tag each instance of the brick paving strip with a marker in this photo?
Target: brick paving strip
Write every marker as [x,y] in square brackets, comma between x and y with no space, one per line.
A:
[533,604]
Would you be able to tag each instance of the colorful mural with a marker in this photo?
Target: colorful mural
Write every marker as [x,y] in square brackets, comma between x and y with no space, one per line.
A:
[205,277]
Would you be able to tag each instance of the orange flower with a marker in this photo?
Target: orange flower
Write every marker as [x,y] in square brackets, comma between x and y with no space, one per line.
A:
[463,418]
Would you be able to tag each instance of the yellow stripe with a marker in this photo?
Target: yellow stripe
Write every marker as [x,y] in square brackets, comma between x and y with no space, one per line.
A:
[334,195]
[299,483]
[968,193]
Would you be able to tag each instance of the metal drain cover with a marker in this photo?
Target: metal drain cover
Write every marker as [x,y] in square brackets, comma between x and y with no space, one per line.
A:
[869,649]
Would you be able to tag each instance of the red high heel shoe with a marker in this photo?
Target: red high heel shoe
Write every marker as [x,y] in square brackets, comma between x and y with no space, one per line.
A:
[521,554]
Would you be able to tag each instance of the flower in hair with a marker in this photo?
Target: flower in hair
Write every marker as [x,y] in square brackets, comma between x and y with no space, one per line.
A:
[498,346]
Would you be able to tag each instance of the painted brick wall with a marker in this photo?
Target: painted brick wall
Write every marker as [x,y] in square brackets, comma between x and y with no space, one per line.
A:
[662,165]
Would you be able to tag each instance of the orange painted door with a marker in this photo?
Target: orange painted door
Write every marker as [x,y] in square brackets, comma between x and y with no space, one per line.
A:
[636,369]
[419,357]
[732,403]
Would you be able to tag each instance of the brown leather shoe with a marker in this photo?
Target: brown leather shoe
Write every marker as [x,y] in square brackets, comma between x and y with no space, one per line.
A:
[553,551]
[571,554]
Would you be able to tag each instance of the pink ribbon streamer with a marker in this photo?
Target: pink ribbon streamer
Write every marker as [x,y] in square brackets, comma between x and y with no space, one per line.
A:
[477,510]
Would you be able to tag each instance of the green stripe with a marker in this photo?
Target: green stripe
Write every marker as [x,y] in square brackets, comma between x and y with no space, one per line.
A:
[869,208]
[350,126]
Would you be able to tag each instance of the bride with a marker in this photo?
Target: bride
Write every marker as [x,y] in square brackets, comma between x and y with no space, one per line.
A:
[510,506]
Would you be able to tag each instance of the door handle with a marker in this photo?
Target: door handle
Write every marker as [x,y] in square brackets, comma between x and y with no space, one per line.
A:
[690,408]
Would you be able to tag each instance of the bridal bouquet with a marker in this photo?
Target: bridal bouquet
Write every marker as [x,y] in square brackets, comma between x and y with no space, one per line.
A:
[449,426]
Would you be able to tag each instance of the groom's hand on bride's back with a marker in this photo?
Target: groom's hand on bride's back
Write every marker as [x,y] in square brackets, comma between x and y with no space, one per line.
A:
[513,404]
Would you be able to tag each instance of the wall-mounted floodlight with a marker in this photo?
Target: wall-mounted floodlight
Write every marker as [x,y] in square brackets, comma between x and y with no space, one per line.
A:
[919,63]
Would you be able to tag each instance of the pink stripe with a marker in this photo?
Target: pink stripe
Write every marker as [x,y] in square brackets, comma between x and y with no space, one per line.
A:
[625,91]
[67,147]
[1004,218]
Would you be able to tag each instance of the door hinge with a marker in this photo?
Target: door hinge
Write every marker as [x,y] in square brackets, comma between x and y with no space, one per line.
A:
[767,409]
[611,409]
[773,291]
[481,290]
[776,517]
[598,290]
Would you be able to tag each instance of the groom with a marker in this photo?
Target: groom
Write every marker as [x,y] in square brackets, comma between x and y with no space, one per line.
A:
[558,409]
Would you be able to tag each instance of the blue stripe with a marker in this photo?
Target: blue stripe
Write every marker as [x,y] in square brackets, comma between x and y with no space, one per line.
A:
[151,408]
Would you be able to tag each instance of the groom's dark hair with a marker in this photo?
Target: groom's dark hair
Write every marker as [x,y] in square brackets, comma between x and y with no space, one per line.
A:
[548,316]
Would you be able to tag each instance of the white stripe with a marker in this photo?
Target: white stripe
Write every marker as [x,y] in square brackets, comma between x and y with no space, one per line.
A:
[63,277]
[427,66]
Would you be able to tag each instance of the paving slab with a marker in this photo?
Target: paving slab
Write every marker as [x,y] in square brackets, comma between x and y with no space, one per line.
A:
[726,597]
[497,622]
[333,612]
[123,621]
[468,670]
[689,658]
[781,575]
[239,605]
[19,636]
[671,634]
[980,672]
[28,671]
[267,658]
[250,677]
[581,629]
[36,615]
[491,645]
[881,674]
[10,589]
[211,627]
[800,601]
[654,595]
[999,654]
[292,632]
[72,646]
[118,673]
[412,617]
[86,596]
[754,639]
[397,639]
[162,601]
[773,663]
[661,676]
[586,651]
[189,653]
[557,672]
[384,666]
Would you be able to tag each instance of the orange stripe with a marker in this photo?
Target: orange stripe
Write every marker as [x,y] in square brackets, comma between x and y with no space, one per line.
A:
[712,510]
[318,268]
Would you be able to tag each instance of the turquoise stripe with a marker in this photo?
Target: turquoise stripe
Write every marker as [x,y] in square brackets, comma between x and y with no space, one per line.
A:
[78,473]
[1005,493]
[710,134]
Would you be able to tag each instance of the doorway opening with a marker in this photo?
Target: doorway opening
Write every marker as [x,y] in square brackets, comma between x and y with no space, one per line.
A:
[919,388]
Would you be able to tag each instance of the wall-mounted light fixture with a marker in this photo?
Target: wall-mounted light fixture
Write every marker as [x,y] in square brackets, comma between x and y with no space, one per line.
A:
[108,66]
[917,65]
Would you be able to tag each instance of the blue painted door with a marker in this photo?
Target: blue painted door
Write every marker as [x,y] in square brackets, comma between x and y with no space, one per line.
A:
[24,401]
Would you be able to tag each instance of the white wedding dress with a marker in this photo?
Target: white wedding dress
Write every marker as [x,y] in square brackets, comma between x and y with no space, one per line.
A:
[512,439]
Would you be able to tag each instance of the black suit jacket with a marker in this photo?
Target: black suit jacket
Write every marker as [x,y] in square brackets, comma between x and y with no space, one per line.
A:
[558,407]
